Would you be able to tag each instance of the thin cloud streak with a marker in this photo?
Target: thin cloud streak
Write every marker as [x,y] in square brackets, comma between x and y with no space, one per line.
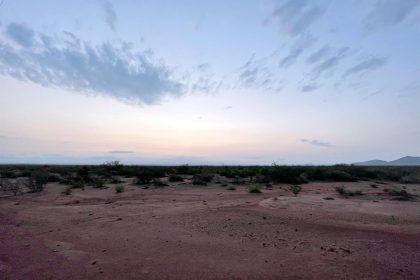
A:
[317,143]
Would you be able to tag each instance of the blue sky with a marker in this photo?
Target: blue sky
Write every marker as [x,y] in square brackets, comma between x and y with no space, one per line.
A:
[209,82]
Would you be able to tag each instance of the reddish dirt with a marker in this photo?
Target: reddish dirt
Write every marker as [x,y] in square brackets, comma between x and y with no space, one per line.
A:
[185,232]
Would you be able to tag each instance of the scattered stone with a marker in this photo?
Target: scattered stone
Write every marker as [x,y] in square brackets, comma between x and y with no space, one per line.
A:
[119,219]
[329,198]
[16,203]
[94,262]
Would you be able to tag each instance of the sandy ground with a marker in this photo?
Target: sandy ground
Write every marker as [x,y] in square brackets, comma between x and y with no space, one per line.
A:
[186,232]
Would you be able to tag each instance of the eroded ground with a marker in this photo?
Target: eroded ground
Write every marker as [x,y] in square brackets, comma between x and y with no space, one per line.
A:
[209,232]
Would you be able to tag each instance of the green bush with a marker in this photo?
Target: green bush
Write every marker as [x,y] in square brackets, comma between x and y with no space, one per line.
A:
[119,189]
[98,182]
[78,183]
[295,189]
[346,193]
[175,178]
[37,180]
[83,173]
[202,179]
[159,183]
[254,189]
[402,195]
[67,190]
[145,175]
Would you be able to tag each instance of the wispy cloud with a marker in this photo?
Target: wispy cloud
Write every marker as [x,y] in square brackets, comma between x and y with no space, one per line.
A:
[256,73]
[110,15]
[318,55]
[317,143]
[302,43]
[295,17]
[67,62]
[21,34]
[331,62]
[310,87]
[366,65]
[121,152]
[389,12]
[291,58]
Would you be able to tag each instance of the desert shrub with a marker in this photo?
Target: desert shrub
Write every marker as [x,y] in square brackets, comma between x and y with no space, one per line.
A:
[202,179]
[78,183]
[111,168]
[344,192]
[238,180]
[83,173]
[198,180]
[295,189]
[402,195]
[15,186]
[159,183]
[115,180]
[285,174]
[302,178]
[410,179]
[119,189]
[254,189]
[54,177]
[175,178]
[37,180]
[145,175]
[262,179]
[341,176]
[67,190]
[183,169]
[340,190]
[98,182]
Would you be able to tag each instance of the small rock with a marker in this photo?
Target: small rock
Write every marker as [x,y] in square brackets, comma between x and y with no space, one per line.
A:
[119,219]
[94,262]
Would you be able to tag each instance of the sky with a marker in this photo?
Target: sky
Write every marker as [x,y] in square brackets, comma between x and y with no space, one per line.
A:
[209,82]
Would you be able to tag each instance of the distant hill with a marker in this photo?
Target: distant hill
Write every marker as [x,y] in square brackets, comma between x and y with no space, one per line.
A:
[404,161]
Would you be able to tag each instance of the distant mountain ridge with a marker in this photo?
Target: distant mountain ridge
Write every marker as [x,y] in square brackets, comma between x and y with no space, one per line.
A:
[404,161]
